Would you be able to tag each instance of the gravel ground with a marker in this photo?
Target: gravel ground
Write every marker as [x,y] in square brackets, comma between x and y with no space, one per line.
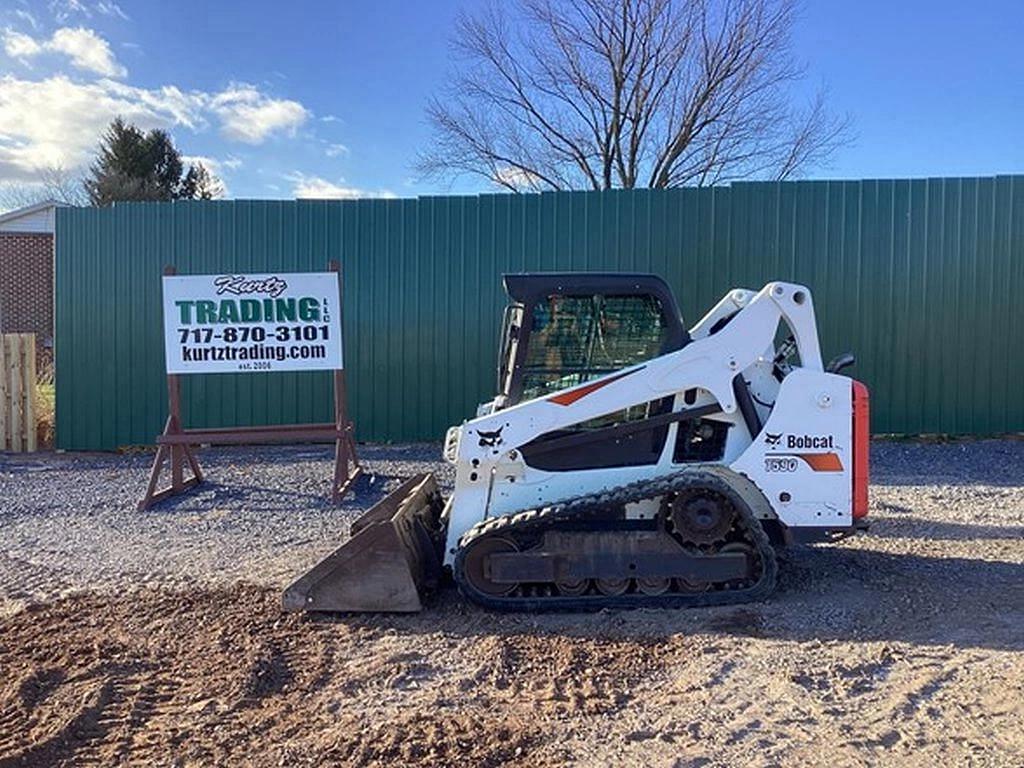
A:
[155,637]
[70,524]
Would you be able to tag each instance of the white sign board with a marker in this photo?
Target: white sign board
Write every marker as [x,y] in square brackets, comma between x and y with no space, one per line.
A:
[242,322]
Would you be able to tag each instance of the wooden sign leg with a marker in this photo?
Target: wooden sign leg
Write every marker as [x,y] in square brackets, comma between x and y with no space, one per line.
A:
[346,466]
[193,463]
[178,453]
[177,470]
[346,463]
[154,473]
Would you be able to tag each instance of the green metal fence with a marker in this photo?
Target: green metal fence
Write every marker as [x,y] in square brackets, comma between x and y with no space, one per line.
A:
[918,277]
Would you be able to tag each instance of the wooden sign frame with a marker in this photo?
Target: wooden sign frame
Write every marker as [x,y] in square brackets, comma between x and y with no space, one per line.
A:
[175,443]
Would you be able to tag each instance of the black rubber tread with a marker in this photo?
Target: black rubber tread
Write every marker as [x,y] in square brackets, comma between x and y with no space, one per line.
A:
[591,507]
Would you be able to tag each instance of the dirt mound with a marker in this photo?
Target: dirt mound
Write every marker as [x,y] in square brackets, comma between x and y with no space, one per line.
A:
[218,677]
[222,677]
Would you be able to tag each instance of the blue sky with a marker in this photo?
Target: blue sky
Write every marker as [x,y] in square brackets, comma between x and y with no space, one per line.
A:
[326,98]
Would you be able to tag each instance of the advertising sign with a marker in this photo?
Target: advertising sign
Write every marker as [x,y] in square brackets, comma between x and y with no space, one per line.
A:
[252,323]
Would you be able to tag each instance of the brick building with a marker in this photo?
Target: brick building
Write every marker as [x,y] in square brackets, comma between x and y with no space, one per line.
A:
[26,272]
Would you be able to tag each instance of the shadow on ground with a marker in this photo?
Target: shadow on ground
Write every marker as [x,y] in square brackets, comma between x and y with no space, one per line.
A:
[824,594]
[909,528]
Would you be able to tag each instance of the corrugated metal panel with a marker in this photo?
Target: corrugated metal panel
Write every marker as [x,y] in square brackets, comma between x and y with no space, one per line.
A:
[918,277]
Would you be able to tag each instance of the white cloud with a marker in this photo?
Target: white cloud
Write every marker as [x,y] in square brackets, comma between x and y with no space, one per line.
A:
[87,50]
[58,121]
[250,116]
[63,10]
[314,187]
[175,106]
[27,17]
[334,150]
[517,178]
[18,45]
[212,164]
[110,8]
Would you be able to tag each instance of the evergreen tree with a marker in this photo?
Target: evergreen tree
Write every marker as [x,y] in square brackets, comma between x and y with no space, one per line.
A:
[200,184]
[132,165]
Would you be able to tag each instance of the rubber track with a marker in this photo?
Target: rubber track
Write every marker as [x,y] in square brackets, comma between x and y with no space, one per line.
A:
[590,507]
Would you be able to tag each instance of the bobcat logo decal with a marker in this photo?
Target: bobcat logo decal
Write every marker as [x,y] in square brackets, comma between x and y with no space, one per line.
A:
[773,440]
[490,438]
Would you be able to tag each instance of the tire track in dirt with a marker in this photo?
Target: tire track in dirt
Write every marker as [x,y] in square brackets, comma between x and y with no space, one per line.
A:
[19,701]
[563,675]
[204,677]
[86,719]
[221,677]
[438,737]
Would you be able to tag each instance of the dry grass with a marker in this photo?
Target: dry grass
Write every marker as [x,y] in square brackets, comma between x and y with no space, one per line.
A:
[46,413]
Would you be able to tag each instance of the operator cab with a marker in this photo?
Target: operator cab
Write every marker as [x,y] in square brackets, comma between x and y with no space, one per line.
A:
[563,329]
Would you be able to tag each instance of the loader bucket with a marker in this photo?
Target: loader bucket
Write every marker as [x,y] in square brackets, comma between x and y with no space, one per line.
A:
[392,556]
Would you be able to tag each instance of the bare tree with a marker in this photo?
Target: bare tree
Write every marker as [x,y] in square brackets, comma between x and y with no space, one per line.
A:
[13,196]
[568,94]
[63,185]
[52,182]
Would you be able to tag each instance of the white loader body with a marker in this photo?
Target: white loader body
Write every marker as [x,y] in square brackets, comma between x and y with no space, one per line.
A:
[802,459]
[627,461]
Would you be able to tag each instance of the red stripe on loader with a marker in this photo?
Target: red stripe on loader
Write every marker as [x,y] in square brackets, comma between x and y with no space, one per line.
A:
[823,462]
[572,395]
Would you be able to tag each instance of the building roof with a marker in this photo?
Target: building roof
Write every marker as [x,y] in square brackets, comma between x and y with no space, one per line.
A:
[28,210]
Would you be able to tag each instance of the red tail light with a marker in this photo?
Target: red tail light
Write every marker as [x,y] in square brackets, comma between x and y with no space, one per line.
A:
[861,438]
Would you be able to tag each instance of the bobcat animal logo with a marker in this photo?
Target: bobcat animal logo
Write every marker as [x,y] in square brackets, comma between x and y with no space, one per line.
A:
[770,439]
[490,438]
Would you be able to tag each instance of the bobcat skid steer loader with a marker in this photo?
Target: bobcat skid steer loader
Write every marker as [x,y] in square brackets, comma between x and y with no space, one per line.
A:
[625,462]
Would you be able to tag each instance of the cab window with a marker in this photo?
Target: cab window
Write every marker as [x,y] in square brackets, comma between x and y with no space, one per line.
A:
[578,338]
